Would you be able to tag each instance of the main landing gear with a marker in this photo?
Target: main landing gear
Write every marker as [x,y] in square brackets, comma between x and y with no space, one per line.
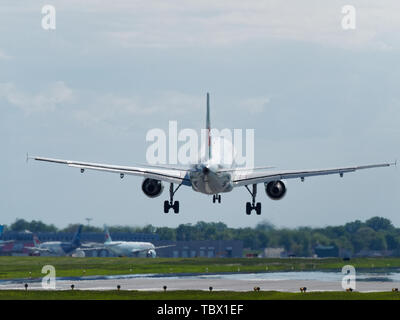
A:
[253,206]
[217,197]
[171,203]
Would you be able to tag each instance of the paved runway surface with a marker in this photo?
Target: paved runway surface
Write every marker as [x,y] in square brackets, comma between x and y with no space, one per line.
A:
[152,284]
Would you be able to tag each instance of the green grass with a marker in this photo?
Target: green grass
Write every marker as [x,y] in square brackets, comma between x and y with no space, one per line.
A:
[20,267]
[192,295]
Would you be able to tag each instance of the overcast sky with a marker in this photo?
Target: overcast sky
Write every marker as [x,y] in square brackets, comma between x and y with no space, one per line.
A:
[317,96]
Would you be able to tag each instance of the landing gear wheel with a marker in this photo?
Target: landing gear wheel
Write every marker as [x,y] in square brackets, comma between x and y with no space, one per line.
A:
[217,197]
[258,208]
[171,204]
[253,206]
[166,206]
[176,207]
[248,208]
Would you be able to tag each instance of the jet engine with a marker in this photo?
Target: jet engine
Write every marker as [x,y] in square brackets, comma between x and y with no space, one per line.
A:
[152,188]
[275,189]
[151,253]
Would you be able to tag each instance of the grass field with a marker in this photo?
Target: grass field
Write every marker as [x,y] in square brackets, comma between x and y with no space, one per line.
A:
[25,267]
[192,295]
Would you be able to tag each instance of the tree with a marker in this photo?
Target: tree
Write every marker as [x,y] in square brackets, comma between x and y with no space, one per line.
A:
[71,228]
[367,238]
[265,225]
[353,227]
[285,239]
[392,241]
[378,242]
[379,223]
[362,238]
[21,225]
[166,233]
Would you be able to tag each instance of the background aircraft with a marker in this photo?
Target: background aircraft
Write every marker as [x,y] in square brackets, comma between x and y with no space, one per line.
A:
[2,242]
[129,248]
[56,247]
[210,177]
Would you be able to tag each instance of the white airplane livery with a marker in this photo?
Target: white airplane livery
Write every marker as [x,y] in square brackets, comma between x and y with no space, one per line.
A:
[210,177]
[57,247]
[130,248]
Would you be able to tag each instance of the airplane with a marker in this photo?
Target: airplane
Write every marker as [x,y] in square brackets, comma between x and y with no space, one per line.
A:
[56,247]
[129,248]
[210,177]
[3,242]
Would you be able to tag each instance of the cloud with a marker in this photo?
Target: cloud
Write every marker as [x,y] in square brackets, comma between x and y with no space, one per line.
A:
[4,56]
[254,105]
[54,95]
[216,23]
[92,108]
[110,107]
[226,23]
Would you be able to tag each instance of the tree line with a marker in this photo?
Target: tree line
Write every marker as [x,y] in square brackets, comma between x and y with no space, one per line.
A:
[376,233]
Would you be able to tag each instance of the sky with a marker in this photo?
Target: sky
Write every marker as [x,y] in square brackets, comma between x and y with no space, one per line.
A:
[316,95]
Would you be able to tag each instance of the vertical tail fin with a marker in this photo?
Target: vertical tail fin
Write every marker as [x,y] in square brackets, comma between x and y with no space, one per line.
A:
[76,240]
[107,234]
[208,127]
[36,241]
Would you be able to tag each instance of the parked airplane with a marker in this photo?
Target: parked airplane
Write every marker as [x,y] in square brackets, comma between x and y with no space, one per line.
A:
[56,247]
[130,248]
[210,177]
[2,242]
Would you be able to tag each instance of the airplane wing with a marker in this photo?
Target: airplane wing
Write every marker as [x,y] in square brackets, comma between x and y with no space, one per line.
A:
[244,169]
[160,247]
[37,249]
[139,250]
[171,175]
[6,241]
[92,248]
[155,248]
[246,178]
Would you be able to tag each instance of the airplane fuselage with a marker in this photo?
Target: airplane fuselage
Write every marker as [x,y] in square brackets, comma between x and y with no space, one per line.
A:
[125,248]
[206,179]
[57,248]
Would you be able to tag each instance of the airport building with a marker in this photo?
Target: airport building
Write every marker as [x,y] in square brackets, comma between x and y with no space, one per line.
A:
[203,249]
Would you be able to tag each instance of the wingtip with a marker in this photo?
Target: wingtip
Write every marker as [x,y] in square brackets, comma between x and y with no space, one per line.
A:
[28,157]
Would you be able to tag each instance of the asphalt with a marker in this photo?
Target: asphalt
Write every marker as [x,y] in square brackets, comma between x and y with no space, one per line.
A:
[157,284]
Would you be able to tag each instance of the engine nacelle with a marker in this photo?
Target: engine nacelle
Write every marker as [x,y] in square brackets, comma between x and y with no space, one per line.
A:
[276,190]
[151,253]
[152,188]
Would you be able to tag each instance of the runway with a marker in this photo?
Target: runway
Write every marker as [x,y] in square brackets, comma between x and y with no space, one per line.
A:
[218,282]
